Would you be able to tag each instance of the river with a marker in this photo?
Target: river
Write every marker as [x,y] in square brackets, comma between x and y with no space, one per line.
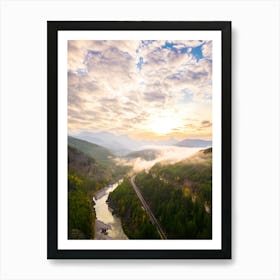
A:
[107,226]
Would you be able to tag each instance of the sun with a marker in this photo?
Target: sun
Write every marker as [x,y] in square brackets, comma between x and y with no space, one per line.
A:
[163,125]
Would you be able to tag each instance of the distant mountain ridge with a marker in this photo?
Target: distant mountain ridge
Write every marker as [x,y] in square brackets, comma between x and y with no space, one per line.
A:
[193,143]
[120,144]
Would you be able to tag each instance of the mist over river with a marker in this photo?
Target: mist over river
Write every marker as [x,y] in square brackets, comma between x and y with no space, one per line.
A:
[166,155]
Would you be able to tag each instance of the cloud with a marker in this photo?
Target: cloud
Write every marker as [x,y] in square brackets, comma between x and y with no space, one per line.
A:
[207,50]
[154,96]
[107,90]
[165,155]
[206,124]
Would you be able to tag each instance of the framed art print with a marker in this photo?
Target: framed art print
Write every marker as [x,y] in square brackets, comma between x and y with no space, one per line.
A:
[139,140]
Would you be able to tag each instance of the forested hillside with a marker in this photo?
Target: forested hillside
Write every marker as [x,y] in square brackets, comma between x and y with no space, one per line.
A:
[100,153]
[180,216]
[193,176]
[105,165]
[135,221]
[81,216]
[178,194]
[87,174]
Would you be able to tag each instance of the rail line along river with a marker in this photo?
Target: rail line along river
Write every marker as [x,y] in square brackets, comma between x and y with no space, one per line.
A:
[107,226]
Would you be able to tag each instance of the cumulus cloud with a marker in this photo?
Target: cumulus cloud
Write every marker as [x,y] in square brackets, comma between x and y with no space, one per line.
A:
[207,50]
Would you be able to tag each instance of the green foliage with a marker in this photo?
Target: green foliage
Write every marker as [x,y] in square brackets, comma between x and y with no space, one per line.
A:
[136,222]
[194,173]
[180,217]
[81,216]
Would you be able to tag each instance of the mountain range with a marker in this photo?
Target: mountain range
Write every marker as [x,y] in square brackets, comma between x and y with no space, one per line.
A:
[121,145]
[193,143]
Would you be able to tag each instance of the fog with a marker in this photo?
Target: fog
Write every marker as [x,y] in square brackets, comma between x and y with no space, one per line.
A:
[167,155]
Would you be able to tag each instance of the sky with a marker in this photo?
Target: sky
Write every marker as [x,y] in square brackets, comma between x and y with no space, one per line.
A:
[144,89]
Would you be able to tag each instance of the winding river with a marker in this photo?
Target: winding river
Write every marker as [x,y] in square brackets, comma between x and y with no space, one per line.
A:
[107,226]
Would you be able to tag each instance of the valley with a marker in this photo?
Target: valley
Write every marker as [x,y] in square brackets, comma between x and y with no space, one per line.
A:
[142,191]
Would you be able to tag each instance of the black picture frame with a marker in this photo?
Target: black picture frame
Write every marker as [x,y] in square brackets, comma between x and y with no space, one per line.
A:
[52,88]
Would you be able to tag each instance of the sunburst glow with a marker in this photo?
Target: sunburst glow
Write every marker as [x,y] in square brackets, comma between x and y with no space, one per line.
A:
[163,125]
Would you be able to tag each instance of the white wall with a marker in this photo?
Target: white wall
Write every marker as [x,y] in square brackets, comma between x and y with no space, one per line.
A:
[255,189]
